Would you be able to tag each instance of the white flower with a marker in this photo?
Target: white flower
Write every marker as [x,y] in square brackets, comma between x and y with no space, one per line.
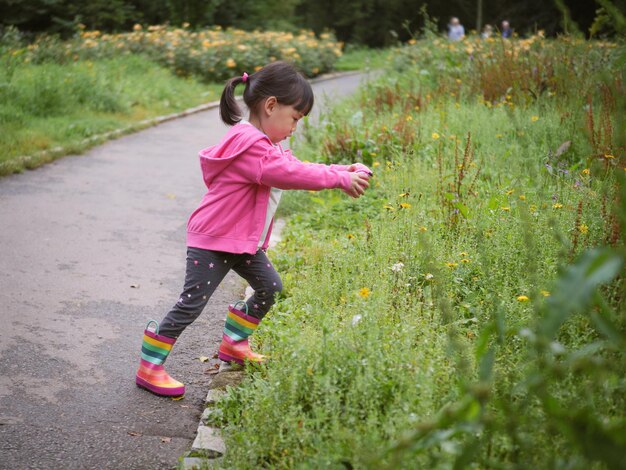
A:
[428,276]
[356,319]
[396,268]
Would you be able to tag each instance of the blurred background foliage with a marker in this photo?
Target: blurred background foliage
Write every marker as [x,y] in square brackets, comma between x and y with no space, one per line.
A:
[374,23]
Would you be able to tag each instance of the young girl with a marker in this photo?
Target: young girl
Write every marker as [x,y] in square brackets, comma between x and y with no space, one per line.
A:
[244,174]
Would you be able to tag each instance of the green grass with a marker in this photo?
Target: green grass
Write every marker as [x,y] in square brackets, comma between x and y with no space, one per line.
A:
[362,58]
[48,105]
[430,326]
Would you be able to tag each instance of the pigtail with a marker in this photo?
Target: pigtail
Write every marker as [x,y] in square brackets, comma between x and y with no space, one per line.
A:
[230,112]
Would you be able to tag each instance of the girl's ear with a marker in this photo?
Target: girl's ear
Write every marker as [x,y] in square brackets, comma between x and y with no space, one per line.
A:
[270,105]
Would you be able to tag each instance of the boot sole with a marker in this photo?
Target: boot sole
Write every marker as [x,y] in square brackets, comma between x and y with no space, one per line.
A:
[161,391]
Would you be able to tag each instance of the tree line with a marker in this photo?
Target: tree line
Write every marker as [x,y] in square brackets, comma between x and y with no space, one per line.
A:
[374,23]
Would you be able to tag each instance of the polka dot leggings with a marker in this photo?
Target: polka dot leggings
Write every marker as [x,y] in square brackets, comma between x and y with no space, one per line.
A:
[205,271]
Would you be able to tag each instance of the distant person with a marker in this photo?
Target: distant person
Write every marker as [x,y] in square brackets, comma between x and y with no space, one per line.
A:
[507,32]
[231,228]
[487,32]
[456,31]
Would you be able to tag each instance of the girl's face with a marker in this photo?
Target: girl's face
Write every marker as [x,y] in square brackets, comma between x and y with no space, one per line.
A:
[279,121]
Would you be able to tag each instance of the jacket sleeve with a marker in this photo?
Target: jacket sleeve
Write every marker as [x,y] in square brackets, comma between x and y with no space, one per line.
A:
[284,171]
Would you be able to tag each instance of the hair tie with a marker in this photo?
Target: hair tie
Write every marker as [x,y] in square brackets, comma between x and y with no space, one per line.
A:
[244,77]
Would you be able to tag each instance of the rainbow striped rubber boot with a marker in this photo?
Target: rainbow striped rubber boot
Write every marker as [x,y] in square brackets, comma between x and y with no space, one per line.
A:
[235,346]
[151,375]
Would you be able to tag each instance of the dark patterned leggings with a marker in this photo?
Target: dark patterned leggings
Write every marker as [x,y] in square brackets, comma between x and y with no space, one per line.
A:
[205,271]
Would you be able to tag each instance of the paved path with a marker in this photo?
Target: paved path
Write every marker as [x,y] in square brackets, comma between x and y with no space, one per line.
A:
[91,247]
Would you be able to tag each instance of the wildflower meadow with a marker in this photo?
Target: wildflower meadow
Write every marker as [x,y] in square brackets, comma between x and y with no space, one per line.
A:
[468,311]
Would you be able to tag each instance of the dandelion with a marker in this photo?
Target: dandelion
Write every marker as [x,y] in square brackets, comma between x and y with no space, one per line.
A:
[465,260]
[405,205]
[435,136]
[586,171]
[545,293]
[376,164]
[534,118]
[364,292]
[451,265]
[522,298]
[389,207]
[522,197]
[506,208]
[409,118]
[350,236]
[423,229]
[230,63]
[510,191]
[582,228]
[396,268]
[558,205]
[404,194]
[463,254]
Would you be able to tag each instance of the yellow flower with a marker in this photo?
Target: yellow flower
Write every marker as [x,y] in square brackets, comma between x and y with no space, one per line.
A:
[435,135]
[609,156]
[364,292]
[532,208]
[558,205]
[404,195]
[534,118]
[465,260]
[463,254]
[350,236]
[451,265]
[409,118]
[423,229]
[376,164]
[405,205]
[506,208]
[545,293]
[389,207]
[509,192]
[522,298]
[230,63]
[522,197]
[582,228]
[586,171]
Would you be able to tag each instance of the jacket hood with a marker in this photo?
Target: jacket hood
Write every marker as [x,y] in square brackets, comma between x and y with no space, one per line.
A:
[215,159]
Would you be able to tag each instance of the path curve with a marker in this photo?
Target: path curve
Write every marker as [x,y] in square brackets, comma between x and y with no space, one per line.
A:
[91,247]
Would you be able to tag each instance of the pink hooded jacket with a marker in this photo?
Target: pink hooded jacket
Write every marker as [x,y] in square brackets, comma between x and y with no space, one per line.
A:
[239,173]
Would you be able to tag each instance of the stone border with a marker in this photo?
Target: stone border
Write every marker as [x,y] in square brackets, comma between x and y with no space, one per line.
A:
[49,155]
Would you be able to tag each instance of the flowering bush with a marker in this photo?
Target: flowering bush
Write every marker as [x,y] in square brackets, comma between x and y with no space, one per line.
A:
[212,54]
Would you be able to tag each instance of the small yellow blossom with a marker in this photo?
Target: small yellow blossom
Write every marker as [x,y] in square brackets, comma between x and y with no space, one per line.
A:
[545,293]
[350,236]
[465,260]
[558,205]
[522,197]
[609,156]
[506,208]
[435,135]
[230,63]
[463,254]
[534,118]
[405,205]
[522,298]
[404,194]
[389,207]
[376,164]
[423,229]
[586,171]
[582,228]
[451,265]
[499,136]
[409,118]
[364,292]
[510,191]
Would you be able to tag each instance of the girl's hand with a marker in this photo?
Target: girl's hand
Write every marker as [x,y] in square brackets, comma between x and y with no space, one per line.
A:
[360,168]
[358,183]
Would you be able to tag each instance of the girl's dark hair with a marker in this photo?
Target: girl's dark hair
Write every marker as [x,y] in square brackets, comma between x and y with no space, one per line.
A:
[278,79]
